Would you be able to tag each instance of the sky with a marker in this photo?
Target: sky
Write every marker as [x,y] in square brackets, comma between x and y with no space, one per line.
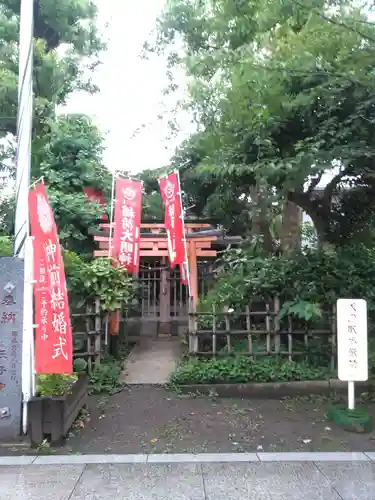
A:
[130,96]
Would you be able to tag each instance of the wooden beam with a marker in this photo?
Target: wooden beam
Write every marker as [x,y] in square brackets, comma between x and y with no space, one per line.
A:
[143,253]
[159,253]
[193,268]
[188,225]
[144,245]
[206,239]
[149,244]
[157,243]
[206,253]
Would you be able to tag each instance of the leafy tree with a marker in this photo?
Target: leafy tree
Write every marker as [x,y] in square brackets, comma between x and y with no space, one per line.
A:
[283,92]
[209,195]
[343,272]
[66,150]
[68,155]
[202,197]
[69,158]
[152,203]
[65,36]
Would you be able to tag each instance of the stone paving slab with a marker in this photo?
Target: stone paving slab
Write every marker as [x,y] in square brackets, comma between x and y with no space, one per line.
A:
[15,460]
[89,459]
[353,481]
[202,457]
[32,482]
[324,480]
[152,362]
[139,482]
[188,458]
[266,481]
[313,457]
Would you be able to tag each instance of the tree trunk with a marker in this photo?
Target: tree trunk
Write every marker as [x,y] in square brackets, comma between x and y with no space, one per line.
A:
[290,236]
[260,225]
[320,225]
[317,211]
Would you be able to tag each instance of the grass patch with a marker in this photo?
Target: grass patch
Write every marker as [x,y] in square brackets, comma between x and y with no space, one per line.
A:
[106,378]
[241,369]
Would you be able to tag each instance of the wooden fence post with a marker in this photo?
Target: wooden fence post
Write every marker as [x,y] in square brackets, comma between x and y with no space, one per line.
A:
[227,330]
[333,338]
[214,338]
[276,323]
[98,332]
[224,325]
[193,327]
[89,338]
[268,329]
[248,328]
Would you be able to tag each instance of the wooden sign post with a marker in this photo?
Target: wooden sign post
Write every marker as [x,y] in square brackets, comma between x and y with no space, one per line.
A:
[352,349]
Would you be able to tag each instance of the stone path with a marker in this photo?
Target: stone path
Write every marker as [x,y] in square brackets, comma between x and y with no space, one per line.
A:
[189,477]
[152,362]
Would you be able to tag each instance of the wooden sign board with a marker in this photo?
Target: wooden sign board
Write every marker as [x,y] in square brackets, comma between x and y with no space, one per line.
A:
[352,349]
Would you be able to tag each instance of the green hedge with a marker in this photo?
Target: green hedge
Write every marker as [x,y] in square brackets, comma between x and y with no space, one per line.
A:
[315,279]
[6,246]
[241,369]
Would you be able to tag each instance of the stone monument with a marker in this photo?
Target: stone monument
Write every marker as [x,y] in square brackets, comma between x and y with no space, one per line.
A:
[11,330]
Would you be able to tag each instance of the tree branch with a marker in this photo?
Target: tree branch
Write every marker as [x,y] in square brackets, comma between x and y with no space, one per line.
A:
[331,186]
[334,22]
[315,181]
[301,199]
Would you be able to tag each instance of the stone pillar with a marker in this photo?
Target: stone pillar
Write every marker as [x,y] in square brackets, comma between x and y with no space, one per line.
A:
[11,331]
[165,300]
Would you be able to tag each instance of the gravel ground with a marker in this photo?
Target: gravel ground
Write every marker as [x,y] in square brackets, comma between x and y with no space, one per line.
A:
[154,420]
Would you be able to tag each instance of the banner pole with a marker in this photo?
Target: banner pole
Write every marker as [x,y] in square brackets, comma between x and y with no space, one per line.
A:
[24,126]
[23,168]
[187,266]
[138,237]
[106,330]
[111,214]
[32,328]
[28,362]
[38,181]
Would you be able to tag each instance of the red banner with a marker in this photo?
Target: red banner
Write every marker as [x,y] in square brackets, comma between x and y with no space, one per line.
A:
[174,224]
[53,343]
[96,196]
[127,218]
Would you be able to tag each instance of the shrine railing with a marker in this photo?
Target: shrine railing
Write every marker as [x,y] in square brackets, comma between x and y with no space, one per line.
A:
[161,287]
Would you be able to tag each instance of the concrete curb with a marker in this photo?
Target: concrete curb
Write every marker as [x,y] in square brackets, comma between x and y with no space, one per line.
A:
[188,458]
[273,390]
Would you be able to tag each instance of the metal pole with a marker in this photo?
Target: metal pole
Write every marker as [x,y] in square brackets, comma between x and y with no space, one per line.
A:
[351,396]
[28,364]
[187,265]
[24,126]
[23,167]
[111,214]
[106,331]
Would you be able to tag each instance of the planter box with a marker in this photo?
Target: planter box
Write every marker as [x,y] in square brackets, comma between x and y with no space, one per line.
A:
[52,417]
